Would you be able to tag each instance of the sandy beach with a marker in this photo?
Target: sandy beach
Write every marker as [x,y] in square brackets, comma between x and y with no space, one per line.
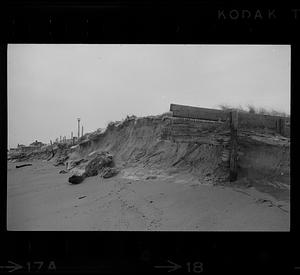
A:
[39,198]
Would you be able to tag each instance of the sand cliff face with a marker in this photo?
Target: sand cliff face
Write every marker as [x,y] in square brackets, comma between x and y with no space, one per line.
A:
[198,147]
[151,142]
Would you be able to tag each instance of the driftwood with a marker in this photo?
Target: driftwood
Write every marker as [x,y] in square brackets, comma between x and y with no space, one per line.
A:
[19,166]
[76,179]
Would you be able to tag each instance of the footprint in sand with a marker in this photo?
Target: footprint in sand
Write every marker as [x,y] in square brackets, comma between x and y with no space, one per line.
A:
[265,201]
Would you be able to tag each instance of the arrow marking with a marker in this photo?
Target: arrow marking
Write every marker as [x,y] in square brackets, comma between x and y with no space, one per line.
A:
[172,267]
[13,265]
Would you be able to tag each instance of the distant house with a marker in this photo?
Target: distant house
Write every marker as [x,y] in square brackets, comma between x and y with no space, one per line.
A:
[37,144]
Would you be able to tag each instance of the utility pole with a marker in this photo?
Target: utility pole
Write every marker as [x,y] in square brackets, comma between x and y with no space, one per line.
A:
[78,119]
[82,131]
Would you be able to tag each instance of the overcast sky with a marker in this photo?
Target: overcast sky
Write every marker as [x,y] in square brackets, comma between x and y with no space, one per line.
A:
[49,86]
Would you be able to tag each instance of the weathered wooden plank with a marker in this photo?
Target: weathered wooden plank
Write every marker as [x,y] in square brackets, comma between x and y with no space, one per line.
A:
[287,131]
[198,113]
[192,120]
[187,134]
[246,120]
[187,128]
[282,126]
[198,140]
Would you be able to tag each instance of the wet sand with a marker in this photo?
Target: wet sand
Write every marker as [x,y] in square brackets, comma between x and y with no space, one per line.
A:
[39,198]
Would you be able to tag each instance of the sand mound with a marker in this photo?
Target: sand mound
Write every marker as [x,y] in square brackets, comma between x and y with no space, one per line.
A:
[200,148]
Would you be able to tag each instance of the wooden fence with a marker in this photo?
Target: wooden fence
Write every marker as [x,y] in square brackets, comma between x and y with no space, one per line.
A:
[245,120]
[198,113]
[235,120]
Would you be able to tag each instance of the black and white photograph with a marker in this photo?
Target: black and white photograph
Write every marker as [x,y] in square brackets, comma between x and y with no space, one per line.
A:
[148,137]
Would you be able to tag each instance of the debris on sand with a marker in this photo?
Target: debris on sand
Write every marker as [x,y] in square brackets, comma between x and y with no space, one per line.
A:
[92,153]
[63,172]
[19,166]
[96,165]
[78,175]
[76,179]
[61,154]
[109,172]
[61,160]
[49,158]
[151,177]
[101,164]
[266,201]
[73,163]
[81,197]
[78,171]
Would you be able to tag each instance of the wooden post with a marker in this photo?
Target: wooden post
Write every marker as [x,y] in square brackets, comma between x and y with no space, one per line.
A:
[233,145]
[281,126]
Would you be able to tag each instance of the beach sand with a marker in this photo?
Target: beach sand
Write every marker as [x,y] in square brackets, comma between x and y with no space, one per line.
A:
[39,198]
